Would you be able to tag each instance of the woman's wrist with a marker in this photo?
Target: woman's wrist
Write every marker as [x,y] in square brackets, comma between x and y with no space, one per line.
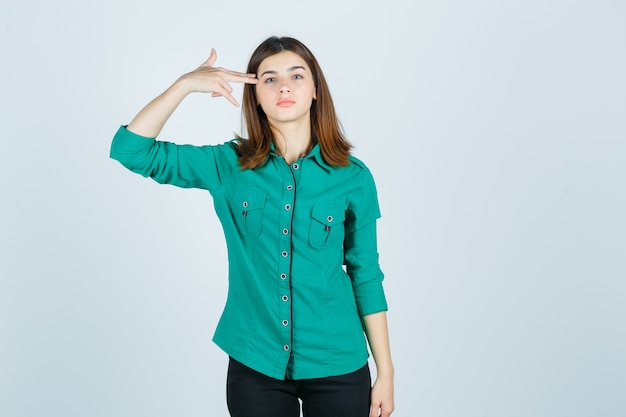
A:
[182,87]
[385,372]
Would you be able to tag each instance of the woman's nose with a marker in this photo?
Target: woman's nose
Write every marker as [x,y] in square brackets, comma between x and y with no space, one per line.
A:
[285,88]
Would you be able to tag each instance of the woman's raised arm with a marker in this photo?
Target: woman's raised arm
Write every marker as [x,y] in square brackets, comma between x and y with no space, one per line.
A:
[204,79]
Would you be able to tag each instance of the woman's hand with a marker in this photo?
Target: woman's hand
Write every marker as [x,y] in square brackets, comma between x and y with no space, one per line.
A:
[215,80]
[382,397]
[204,79]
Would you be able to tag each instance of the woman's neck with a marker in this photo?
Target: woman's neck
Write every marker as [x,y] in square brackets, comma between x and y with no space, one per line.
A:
[292,141]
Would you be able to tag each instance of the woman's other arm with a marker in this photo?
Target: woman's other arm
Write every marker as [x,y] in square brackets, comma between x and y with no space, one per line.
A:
[378,338]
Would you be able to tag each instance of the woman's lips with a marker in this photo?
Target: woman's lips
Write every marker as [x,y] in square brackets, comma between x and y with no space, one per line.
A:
[285,102]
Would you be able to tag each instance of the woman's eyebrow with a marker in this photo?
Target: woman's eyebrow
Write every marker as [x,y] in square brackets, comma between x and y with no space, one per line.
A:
[295,67]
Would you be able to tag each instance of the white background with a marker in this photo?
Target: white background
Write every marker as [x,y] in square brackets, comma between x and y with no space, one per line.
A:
[495,131]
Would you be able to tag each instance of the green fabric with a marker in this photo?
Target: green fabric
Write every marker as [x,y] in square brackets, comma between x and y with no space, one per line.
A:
[292,309]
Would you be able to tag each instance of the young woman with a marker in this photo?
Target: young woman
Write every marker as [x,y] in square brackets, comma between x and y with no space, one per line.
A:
[295,208]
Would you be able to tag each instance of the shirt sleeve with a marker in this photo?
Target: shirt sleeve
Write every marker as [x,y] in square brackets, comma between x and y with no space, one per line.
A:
[360,248]
[186,166]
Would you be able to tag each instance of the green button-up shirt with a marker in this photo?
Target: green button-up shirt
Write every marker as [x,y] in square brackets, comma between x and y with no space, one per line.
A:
[293,310]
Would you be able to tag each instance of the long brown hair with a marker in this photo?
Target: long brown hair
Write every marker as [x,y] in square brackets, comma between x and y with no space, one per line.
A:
[325,126]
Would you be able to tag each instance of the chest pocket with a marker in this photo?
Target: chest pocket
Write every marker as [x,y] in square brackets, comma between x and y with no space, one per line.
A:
[249,207]
[327,228]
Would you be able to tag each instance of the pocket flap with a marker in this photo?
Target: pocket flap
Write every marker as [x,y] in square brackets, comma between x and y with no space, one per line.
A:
[327,214]
[249,200]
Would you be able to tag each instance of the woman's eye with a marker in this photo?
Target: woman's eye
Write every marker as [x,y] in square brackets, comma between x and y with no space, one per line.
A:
[297,77]
[270,80]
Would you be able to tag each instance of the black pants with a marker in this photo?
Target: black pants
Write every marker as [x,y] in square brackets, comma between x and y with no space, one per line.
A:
[252,394]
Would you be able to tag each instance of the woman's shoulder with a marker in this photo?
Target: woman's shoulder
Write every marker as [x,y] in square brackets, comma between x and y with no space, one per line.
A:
[357,163]
[227,148]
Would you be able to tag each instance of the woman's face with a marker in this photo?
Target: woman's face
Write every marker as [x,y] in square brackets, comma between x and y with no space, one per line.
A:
[285,89]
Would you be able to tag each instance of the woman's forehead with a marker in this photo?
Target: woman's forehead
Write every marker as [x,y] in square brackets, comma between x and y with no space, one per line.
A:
[283,61]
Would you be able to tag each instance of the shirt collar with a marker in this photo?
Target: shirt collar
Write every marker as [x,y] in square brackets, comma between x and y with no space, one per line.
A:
[315,154]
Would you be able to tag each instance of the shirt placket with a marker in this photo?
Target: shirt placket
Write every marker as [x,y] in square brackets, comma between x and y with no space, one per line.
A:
[285,257]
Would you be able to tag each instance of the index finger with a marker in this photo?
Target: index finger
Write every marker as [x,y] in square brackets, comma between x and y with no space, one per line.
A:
[233,76]
[245,79]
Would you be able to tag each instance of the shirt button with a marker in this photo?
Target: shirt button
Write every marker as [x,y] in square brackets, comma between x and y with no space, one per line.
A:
[286,348]
[245,204]
[285,231]
[285,298]
[285,322]
[289,187]
[295,166]
[283,276]
[285,253]
[329,218]
[287,206]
